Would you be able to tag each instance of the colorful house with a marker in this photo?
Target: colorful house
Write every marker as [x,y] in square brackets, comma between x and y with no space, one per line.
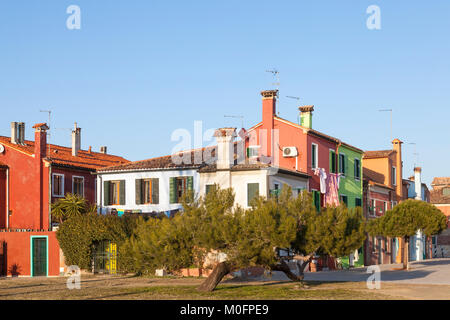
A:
[33,174]
[440,197]
[383,189]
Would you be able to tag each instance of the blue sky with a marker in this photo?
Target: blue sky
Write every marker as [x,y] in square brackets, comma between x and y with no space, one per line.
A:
[138,70]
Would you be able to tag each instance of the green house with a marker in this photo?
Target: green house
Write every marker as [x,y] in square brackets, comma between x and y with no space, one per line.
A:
[349,165]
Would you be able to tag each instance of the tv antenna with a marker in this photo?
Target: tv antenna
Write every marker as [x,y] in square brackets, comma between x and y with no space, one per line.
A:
[276,75]
[236,117]
[298,100]
[49,128]
[416,155]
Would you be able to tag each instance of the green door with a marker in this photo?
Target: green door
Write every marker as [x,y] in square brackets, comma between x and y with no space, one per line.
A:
[39,250]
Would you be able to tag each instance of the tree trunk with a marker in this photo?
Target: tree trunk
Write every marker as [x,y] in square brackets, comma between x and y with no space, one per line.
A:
[220,271]
[283,266]
[406,261]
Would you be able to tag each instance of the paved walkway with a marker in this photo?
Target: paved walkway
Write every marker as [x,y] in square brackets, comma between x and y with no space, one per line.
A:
[435,271]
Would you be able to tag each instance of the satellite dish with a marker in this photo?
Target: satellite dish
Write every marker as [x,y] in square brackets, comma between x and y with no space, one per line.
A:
[2,148]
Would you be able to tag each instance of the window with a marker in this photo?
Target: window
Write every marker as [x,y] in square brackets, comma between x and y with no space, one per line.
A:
[358,202]
[179,186]
[58,185]
[209,187]
[446,192]
[344,199]
[372,208]
[314,156]
[342,163]
[357,169]
[394,176]
[114,193]
[147,191]
[252,192]
[385,206]
[78,186]
[332,161]
[252,151]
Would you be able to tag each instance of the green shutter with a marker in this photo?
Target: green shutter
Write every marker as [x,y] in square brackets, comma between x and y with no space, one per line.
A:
[316,200]
[122,192]
[138,191]
[173,190]
[331,161]
[106,186]
[190,183]
[155,191]
[252,192]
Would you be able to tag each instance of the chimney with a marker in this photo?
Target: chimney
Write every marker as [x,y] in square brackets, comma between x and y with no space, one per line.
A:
[269,100]
[225,147]
[40,140]
[103,149]
[397,146]
[76,140]
[418,182]
[14,132]
[306,116]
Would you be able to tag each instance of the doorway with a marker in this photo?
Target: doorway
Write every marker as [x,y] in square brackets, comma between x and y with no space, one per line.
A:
[39,256]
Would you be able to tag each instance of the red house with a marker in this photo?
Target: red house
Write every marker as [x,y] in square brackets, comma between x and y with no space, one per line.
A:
[33,174]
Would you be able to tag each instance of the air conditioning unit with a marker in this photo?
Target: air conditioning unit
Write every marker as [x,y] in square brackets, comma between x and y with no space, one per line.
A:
[290,152]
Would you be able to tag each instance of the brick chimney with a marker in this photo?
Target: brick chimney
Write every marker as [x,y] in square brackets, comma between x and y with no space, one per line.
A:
[306,116]
[40,140]
[418,182]
[269,101]
[225,147]
[397,146]
[76,140]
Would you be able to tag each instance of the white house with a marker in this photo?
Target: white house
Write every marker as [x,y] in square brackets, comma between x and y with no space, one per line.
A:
[247,178]
[148,186]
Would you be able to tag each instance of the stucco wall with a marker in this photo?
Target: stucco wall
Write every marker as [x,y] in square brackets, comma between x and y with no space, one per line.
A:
[18,248]
[349,185]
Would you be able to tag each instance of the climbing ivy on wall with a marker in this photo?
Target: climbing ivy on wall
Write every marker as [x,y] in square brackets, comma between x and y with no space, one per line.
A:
[77,235]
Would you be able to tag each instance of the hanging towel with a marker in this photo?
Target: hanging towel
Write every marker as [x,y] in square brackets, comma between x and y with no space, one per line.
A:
[323,179]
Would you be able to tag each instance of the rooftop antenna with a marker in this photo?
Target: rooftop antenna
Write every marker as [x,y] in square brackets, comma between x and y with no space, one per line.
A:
[276,75]
[388,110]
[415,153]
[48,131]
[237,117]
[298,100]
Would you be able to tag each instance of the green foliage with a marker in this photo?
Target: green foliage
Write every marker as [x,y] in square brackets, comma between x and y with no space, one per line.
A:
[77,234]
[248,237]
[407,217]
[70,206]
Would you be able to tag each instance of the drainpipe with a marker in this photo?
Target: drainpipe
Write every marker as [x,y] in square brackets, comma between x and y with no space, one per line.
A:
[50,197]
[7,198]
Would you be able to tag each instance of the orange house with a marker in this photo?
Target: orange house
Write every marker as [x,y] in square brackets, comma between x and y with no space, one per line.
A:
[440,197]
[383,189]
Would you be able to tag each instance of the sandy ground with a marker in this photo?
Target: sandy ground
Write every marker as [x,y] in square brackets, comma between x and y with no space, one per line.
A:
[128,287]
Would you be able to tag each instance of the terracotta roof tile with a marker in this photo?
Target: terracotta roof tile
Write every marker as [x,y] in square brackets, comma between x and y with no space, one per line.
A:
[441,181]
[377,154]
[63,155]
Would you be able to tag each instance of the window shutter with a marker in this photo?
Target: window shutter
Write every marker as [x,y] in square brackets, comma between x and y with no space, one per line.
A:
[173,190]
[138,191]
[316,200]
[190,183]
[331,162]
[155,191]
[122,192]
[106,186]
